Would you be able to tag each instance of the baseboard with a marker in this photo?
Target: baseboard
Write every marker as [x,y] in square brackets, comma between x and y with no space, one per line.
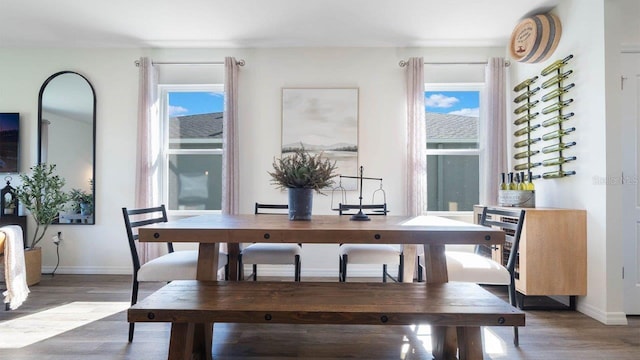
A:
[607,318]
[88,270]
[266,270]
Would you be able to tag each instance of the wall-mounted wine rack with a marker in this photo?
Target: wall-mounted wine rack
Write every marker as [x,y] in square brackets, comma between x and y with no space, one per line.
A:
[553,98]
[556,96]
[525,118]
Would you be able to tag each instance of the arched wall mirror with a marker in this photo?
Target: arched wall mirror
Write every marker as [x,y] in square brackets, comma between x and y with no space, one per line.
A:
[66,138]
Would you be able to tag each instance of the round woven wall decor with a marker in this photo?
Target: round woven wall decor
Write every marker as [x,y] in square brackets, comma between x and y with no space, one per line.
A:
[535,38]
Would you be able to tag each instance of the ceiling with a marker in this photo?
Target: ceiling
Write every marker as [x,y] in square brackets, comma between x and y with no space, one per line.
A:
[262,23]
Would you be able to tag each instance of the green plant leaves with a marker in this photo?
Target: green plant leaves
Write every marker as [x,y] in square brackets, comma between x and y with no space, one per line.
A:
[303,170]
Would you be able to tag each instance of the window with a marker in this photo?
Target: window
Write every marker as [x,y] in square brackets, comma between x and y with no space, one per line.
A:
[453,151]
[192,147]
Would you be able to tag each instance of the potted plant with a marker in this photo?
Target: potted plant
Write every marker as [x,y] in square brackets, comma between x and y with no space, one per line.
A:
[302,173]
[41,194]
[82,202]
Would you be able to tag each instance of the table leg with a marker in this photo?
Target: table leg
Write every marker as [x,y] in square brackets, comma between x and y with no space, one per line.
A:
[181,341]
[409,252]
[208,254]
[235,273]
[435,263]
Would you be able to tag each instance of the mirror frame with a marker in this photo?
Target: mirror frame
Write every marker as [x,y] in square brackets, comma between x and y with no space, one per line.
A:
[93,167]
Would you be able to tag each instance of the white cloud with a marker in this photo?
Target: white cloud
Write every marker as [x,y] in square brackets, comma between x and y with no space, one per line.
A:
[440,101]
[467,112]
[177,110]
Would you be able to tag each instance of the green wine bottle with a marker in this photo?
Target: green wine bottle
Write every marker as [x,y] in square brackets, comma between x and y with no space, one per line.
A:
[557,147]
[525,142]
[557,174]
[525,107]
[526,95]
[503,184]
[557,106]
[557,133]
[557,119]
[555,65]
[556,79]
[557,92]
[526,166]
[526,130]
[524,119]
[525,154]
[530,185]
[558,161]
[525,83]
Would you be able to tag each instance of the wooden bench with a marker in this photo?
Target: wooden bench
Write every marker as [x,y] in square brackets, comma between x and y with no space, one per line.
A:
[188,304]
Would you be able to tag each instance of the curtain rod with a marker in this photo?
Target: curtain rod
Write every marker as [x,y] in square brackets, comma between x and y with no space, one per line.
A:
[239,62]
[404,63]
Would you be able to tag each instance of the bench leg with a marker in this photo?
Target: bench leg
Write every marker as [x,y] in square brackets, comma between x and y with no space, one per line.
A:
[190,341]
[470,343]
[181,341]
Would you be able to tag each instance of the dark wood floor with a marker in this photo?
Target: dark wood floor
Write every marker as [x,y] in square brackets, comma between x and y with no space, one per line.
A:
[549,335]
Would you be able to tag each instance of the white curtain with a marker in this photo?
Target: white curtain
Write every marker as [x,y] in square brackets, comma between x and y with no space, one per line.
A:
[416,139]
[494,152]
[148,151]
[230,153]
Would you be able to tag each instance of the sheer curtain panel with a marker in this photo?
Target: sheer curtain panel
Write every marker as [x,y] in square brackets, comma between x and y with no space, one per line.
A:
[148,151]
[495,131]
[230,180]
[416,139]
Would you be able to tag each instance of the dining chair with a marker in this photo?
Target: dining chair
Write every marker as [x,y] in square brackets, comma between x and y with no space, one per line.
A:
[369,253]
[470,266]
[268,253]
[175,265]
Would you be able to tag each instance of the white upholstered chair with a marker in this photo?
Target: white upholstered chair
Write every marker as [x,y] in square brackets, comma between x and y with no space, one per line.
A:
[384,254]
[470,266]
[271,254]
[175,265]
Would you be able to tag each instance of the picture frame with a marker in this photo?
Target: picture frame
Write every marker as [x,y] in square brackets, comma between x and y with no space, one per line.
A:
[323,120]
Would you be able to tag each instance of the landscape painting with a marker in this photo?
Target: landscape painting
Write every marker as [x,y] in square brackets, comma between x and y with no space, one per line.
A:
[323,120]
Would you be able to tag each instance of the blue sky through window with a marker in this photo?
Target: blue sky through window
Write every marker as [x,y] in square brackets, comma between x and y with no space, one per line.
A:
[197,102]
[465,103]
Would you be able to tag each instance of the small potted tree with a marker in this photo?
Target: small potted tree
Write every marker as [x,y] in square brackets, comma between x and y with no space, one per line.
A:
[302,173]
[41,194]
[82,202]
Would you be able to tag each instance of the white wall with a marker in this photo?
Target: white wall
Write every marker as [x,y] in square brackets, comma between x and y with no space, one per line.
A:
[598,148]
[102,248]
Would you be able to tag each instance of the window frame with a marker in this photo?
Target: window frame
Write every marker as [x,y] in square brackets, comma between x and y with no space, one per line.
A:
[471,86]
[166,151]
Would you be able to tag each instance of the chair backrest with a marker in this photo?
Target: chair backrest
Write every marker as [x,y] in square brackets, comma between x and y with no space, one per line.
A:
[510,221]
[272,209]
[370,209]
[134,218]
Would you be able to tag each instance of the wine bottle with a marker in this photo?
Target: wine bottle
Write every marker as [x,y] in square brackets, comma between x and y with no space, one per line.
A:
[526,166]
[557,174]
[525,83]
[555,65]
[512,184]
[503,184]
[525,107]
[526,130]
[525,154]
[525,142]
[557,92]
[557,106]
[557,147]
[557,133]
[524,119]
[521,184]
[530,185]
[557,119]
[526,95]
[558,161]
[556,79]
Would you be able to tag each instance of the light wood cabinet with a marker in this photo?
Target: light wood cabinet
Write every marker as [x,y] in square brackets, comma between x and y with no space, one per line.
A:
[553,252]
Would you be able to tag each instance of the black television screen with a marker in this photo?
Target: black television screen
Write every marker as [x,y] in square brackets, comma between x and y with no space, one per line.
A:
[9,142]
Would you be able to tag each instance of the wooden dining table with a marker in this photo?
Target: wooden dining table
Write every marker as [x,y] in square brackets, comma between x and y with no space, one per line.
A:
[432,232]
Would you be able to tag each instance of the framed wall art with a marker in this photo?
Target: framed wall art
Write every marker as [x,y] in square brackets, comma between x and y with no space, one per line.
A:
[323,120]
